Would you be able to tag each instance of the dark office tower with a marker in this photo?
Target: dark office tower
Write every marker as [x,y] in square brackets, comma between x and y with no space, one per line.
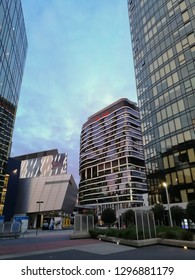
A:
[112,172]
[13,47]
[163,43]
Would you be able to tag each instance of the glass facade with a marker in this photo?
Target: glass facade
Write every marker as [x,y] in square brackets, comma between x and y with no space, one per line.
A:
[163,45]
[13,48]
[112,172]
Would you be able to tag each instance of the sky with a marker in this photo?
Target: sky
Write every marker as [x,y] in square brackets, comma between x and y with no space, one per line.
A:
[79,60]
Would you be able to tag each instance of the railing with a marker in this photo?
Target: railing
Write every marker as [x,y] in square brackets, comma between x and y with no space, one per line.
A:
[10,230]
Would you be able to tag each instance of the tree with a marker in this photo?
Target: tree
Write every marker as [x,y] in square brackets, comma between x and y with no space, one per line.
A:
[190,210]
[159,210]
[108,216]
[178,214]
[128,217]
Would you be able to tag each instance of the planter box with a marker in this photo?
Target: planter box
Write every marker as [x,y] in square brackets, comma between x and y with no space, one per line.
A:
[148,242]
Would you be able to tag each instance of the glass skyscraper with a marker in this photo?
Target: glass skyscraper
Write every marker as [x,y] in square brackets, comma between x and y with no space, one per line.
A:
[112,172]
[13,48]
[163,45]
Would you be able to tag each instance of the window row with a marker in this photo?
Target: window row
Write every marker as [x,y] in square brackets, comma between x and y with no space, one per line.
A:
[176,139]
[177,159]
[168,142]
[170,110]
[181,177]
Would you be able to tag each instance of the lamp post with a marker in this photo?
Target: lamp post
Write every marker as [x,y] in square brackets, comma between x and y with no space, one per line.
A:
[97,206]
[39,204]
[168,204]
[119,226]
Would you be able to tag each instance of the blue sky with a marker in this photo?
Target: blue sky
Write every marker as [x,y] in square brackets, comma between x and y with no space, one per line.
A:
[79,60]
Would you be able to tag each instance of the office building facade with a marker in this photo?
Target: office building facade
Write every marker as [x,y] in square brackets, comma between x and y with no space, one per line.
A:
[163,45]
[111,168]
[13,48]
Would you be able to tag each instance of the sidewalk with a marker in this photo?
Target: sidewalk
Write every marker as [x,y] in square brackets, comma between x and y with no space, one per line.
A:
[42,242]
[57,245]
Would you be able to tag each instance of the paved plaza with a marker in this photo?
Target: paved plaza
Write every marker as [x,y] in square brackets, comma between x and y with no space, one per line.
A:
[57,245]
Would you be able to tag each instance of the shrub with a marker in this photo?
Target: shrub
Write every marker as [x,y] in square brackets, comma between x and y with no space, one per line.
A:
[112,232]
[169,235]
[186,235]
[129,233]
[95,232]
[174,233]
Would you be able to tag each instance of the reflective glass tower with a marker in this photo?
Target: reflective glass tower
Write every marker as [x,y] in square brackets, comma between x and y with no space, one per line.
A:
[163,44]
[13,48]
[112,172]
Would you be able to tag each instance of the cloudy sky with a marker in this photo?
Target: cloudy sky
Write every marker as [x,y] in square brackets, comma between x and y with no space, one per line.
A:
[79,60]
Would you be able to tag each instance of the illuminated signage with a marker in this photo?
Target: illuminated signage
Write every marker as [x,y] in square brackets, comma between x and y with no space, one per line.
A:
[101,116]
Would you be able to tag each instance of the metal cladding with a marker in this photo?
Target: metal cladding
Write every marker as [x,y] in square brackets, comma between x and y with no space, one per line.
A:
[43,177]
[58,193]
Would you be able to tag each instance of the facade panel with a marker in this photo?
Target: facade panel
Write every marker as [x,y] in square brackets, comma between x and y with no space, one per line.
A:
[43,165]
[44,186]
[163,44]
[52,190]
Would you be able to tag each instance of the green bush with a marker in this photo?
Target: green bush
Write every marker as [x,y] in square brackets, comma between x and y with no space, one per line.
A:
[112,232]
[174,233]
[95,232]
[169,235]
[130,233]
[186,235]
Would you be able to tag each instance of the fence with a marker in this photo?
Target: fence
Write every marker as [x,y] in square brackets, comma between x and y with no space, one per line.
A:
[10,230]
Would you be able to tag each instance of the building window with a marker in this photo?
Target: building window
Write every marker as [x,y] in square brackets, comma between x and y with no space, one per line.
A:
[185,16]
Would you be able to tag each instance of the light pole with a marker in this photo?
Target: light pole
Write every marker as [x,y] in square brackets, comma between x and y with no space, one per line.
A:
[168,204]
[119,226]
[97,206]
[39,204]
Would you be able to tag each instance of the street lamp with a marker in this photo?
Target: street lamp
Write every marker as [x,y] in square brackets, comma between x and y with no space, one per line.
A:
[168,204]
[97,207]
[39,204]
[119,226]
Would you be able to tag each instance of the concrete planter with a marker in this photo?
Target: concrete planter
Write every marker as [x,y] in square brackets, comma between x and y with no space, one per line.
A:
[147,242]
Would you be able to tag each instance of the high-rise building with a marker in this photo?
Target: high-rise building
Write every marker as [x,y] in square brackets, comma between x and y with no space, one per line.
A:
[112,172]
[163,44]
[13,48]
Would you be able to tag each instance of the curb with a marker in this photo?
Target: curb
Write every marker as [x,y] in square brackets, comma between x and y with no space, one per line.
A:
[148,242]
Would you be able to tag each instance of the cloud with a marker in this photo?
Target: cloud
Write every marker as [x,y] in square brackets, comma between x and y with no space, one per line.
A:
[78,62]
